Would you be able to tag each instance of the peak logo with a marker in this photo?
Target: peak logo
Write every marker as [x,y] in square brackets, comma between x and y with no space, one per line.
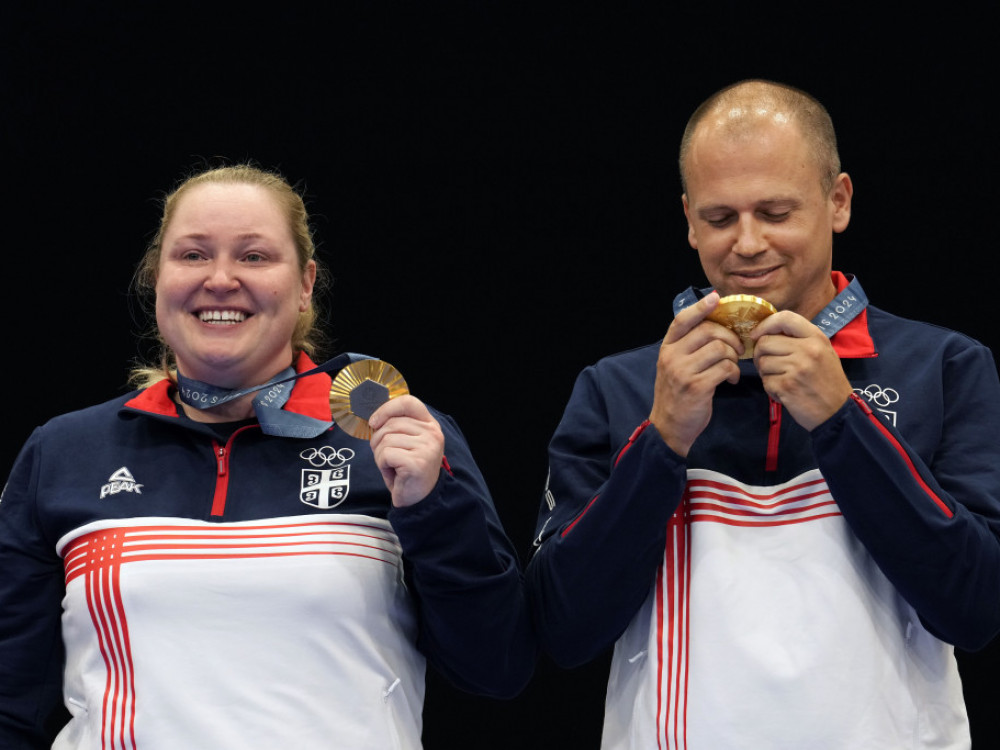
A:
[121,481]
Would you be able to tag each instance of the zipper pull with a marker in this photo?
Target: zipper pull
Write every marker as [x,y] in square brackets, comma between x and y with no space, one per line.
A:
[222,479]
[773,436]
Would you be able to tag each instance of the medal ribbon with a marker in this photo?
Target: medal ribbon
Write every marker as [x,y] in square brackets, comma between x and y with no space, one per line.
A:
[271,397]
[844,308]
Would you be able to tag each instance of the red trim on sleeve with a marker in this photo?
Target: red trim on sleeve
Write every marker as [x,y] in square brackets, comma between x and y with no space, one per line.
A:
[880,426]
[632,438]
[582,514]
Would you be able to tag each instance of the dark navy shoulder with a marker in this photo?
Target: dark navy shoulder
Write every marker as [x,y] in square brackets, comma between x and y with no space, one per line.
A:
[635,360]
[616,391]
[886,327]
[89,416]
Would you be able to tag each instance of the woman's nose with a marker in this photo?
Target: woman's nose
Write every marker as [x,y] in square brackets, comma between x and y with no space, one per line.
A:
[222,276]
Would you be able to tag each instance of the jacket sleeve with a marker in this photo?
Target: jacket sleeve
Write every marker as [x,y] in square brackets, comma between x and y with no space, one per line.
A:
[31,592]
[475,624]
[932,524]
[601,528]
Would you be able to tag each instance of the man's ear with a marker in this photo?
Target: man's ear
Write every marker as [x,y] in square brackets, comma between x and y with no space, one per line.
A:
[692,240]
[840,200]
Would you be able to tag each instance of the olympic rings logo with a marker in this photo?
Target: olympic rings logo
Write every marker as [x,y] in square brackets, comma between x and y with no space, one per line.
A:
[876,394]
[327,455]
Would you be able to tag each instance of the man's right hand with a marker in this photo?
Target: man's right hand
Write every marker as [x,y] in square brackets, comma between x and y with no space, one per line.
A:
[696,355]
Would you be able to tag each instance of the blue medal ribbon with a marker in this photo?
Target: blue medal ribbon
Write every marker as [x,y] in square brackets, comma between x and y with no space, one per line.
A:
[844,308]
[271,397]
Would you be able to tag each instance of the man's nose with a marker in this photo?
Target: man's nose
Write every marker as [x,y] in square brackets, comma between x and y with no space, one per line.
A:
[750,237]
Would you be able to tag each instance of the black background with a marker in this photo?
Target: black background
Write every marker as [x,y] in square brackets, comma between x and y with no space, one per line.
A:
[495,194]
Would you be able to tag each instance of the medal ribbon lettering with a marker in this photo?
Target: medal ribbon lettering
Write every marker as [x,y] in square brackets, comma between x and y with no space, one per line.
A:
[271,397]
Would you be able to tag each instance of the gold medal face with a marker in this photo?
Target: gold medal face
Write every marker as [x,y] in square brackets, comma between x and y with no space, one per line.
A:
[741,313]
[359,389]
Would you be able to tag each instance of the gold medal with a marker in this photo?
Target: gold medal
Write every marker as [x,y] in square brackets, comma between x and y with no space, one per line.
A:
[741,313]
[361,388]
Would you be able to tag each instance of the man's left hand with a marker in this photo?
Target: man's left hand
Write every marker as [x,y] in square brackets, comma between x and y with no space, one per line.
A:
[800,368]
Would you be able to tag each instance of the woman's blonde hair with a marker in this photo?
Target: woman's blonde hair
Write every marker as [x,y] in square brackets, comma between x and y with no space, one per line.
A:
[306,337]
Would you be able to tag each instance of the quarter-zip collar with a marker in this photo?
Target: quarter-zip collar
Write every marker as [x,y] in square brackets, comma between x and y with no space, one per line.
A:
[844,320]
[310,396]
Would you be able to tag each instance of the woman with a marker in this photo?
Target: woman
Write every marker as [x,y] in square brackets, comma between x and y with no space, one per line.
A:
[247,574]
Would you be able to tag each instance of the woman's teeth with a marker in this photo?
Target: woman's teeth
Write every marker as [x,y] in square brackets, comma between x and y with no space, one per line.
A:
[225,317]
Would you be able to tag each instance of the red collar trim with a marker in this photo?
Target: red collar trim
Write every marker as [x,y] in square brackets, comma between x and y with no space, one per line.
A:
[155,400]
[310,396]
[853,341]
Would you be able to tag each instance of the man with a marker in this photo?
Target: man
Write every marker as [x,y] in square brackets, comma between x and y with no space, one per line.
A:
[784,549]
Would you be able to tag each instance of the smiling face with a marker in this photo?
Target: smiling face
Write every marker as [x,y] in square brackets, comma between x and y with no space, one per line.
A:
[229,286]
[759,216]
